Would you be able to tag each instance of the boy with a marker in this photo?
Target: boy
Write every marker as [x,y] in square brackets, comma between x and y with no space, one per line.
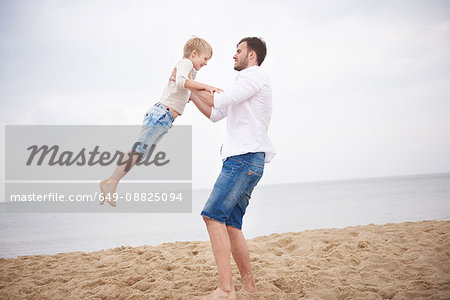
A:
[159,118]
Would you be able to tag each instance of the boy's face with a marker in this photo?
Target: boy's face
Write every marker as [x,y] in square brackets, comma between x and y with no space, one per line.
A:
[199,59]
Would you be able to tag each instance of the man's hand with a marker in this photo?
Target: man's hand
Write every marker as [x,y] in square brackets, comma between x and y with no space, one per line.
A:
[173,77]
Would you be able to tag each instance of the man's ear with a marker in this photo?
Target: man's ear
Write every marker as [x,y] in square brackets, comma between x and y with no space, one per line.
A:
[252,54]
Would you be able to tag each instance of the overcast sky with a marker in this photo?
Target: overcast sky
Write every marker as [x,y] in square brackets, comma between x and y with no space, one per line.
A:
[360,88]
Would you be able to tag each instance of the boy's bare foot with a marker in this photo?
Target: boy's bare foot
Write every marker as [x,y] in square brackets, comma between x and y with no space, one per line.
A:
[220,294]
[108,189]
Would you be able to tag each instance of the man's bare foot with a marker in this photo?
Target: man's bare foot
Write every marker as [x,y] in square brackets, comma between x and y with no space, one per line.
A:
[220,294]
[248,290]
[248,285]
[108,189]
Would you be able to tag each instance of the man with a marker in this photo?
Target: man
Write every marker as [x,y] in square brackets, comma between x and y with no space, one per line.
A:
[247,105]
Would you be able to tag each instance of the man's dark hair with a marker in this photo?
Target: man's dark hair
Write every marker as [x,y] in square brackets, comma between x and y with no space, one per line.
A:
[257,45]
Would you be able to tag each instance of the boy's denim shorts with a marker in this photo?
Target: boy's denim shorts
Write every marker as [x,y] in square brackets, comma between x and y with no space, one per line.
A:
[233,188]
[157,121]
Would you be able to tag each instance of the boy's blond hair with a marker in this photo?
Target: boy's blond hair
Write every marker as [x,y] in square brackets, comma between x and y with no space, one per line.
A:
[198,44]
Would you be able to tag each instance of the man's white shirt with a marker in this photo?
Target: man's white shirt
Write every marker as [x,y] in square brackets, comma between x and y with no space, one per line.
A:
[247,105]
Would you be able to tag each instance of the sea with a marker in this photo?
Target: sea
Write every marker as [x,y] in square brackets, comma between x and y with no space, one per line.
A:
[277,208]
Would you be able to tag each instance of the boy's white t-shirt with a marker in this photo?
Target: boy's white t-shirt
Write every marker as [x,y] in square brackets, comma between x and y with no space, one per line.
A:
[175,95]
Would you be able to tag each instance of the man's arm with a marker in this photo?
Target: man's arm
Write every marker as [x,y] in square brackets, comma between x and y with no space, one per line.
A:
[246,86]
[202,106]
[201,99]
[205,97]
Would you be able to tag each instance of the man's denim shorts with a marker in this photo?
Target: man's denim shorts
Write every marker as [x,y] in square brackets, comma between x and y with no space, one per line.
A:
[157,121]
[233,188]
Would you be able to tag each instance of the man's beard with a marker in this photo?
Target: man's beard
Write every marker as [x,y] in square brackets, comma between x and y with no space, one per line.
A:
[242,64]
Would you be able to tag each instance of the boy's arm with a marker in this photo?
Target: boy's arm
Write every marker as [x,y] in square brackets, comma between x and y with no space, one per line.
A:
[187,83]
[198,86]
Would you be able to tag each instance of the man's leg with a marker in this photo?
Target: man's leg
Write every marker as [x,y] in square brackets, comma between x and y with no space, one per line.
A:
[220,243]
[241,256]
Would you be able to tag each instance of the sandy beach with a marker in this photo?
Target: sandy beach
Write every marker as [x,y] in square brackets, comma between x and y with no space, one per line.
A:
[393,261]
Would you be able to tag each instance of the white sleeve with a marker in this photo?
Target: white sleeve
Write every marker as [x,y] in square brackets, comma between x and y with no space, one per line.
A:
[242,89]
[218,114]
[184,66]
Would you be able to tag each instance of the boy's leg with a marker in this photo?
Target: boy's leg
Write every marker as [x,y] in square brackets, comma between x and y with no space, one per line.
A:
[108,187]
[157,122]
[241,256]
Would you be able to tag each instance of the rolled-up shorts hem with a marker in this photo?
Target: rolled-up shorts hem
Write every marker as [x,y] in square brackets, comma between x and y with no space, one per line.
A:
[237,226]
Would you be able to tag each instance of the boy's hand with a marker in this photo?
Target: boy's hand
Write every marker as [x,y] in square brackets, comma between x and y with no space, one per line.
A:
[212,90]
